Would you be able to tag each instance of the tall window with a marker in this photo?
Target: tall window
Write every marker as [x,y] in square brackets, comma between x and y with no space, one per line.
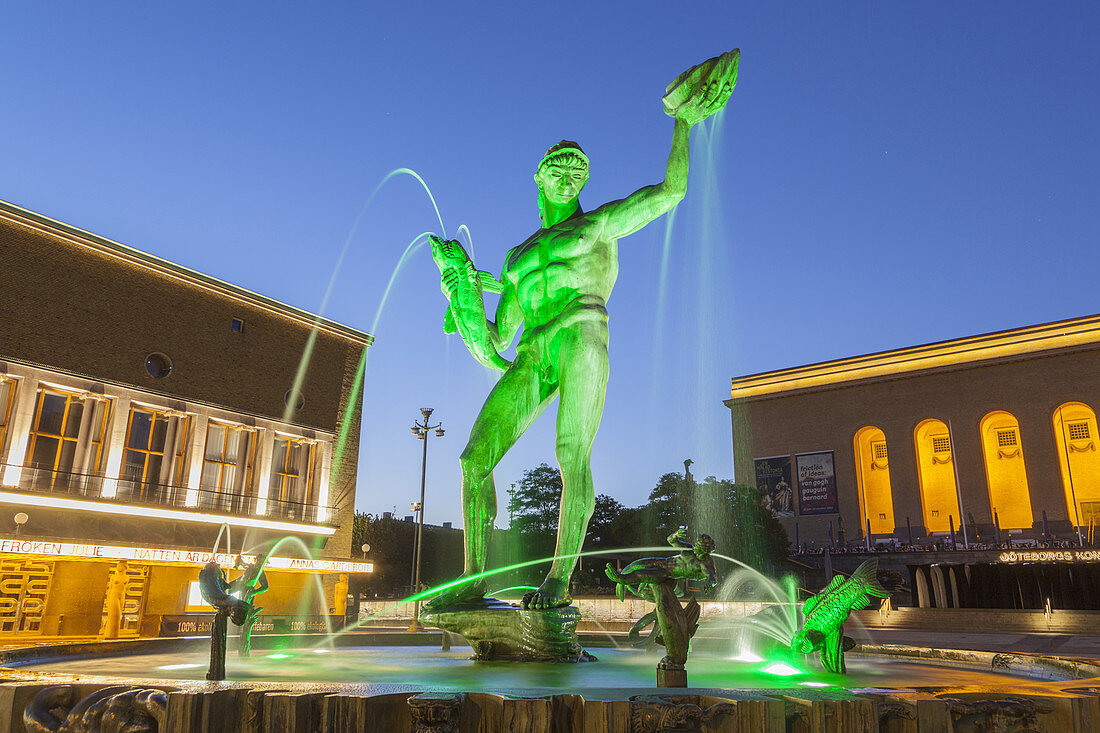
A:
[873,476]
[292,475]
[7,390]
[227,465]
[146,452]
[936,474]
[54,434]
[1005,473]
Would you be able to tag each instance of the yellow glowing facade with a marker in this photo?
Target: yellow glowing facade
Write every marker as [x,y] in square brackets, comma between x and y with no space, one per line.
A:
[935,468]
[1079,459]
[876,503]
[1005,474]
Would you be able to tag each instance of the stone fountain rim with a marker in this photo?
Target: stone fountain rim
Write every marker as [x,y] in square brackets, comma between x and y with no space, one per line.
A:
[1038,666]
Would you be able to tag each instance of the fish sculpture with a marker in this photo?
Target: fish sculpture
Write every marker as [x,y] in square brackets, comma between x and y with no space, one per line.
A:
[825,614]
[466,311]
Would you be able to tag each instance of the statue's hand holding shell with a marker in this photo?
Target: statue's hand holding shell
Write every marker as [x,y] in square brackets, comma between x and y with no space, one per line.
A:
[703,89]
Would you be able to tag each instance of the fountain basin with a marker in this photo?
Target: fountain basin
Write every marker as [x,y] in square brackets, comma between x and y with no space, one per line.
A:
[401,676]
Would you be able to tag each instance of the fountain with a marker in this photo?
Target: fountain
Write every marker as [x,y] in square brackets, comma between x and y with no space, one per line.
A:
[747,671]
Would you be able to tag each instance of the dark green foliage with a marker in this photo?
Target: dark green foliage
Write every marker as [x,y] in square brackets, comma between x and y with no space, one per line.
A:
[392,552]
[730,513]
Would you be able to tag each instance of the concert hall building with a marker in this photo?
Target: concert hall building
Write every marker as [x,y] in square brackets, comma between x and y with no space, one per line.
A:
[147,410]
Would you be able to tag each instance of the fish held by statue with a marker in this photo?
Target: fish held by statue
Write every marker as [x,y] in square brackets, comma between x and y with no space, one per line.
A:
[826,612]
[466,312]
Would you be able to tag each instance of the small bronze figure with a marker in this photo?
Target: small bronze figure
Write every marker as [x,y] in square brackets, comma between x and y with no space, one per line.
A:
[655,579]
[215,591]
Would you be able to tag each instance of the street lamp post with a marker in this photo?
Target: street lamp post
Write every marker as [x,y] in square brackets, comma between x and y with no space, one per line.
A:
[421,433]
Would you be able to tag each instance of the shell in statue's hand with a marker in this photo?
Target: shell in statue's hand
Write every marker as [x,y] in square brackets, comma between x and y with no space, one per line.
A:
[703,89]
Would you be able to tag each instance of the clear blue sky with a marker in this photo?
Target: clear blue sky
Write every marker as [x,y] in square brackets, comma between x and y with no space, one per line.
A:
[886,174]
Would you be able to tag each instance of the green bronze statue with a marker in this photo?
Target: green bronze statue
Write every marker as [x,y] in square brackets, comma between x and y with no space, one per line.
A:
[556,285]
[825,614]
[655,579]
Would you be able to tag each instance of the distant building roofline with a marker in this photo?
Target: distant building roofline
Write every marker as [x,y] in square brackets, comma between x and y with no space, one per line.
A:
[25,217]
[1010,344]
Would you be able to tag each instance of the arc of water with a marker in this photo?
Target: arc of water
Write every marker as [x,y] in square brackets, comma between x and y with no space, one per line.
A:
[224,529]
[303,364]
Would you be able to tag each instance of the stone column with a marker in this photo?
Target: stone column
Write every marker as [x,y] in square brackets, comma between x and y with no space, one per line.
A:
[94,407]
[19,427]
[116,446]
[323,489]
[198,449]
[266,445]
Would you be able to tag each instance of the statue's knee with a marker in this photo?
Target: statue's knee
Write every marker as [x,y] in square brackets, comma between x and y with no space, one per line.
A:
[474,470]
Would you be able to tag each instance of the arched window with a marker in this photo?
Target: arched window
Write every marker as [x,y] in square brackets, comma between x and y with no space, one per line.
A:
[1075,433]
[876,503]
[936,471]
[1004,470]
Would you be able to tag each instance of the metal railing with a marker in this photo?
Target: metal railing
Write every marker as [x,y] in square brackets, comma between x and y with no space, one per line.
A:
[151,493]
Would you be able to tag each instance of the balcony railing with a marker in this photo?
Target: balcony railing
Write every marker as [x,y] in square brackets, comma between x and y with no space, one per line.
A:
[131,491]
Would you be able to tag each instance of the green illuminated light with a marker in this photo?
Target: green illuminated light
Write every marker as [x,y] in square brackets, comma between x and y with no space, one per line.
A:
[747,656]
[278,656]
[781,669]
[813,684]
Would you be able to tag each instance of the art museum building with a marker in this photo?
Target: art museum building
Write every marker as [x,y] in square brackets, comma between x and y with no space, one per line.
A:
[147,412]
[998,431]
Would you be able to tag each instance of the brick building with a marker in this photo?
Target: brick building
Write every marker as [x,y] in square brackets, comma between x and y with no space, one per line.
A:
[997,431]
[147,409]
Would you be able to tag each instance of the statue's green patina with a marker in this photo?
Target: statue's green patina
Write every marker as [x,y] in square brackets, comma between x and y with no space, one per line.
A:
[825,614]
[655,580]
[556,285]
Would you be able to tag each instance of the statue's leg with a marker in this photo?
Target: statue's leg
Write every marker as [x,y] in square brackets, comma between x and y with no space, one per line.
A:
[583,369]
[513,404]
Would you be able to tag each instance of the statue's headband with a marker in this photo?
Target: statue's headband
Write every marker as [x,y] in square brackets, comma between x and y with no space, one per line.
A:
[562,148]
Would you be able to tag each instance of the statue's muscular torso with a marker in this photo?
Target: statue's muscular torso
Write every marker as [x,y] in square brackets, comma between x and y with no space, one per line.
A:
[561,268]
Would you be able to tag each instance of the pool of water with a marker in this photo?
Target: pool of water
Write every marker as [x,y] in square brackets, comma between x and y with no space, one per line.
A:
[453,670]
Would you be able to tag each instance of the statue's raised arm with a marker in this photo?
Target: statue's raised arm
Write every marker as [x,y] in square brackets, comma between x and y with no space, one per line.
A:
[693,96]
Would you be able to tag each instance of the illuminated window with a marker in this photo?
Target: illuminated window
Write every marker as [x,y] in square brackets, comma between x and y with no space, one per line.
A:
[876,501]
[941,444]
[54,433]
[145,450]
[7,390]
[292,475]
[1078,430]
[879,450]
[228,451]
[1006,438]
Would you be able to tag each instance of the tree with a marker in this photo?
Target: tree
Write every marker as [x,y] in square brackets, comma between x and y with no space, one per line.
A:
[534,501]
[601,527]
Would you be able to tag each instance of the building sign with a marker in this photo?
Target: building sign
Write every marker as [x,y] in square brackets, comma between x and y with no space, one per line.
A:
[185,557]
[199,625]
[773,479]
[1021,556]
[816,484]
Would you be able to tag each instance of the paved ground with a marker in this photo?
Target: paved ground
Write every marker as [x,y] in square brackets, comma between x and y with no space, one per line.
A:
[1067,645]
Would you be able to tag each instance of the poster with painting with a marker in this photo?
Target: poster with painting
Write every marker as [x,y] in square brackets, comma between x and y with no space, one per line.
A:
[773,479]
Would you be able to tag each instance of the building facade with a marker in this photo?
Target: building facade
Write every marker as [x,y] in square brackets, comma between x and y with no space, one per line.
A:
[995,431]
[151,415]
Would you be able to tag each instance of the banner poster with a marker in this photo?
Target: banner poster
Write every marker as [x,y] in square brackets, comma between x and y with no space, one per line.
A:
[773,479]
[816,484]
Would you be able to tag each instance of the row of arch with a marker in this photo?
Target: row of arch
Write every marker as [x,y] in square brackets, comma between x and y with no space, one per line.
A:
[1074,426]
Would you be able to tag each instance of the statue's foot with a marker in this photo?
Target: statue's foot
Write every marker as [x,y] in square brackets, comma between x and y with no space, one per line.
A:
[457,595]
[553,593]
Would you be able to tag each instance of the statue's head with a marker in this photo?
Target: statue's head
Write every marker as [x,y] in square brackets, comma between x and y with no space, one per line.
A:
[562,173]
[704,545]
